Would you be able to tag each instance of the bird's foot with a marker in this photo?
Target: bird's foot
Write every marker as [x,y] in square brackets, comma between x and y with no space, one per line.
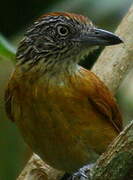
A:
[82,174]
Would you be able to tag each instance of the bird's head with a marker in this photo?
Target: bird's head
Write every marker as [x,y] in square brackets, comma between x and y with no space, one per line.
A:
[61,39]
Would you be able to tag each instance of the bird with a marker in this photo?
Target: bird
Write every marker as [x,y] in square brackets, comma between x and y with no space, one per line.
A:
[64,112]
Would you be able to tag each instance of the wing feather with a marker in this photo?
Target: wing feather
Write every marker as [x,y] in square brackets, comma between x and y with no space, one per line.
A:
[101,98]
[8,102]
[105,103]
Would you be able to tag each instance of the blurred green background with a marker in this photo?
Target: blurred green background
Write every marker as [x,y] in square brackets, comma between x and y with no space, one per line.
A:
[15,17]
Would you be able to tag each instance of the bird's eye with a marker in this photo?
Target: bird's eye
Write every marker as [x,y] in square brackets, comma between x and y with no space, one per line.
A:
[62,30]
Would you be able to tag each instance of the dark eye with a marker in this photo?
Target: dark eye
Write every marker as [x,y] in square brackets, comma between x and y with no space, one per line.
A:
[62,30]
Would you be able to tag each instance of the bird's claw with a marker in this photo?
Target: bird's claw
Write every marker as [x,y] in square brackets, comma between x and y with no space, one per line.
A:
[82,174]
[79,176]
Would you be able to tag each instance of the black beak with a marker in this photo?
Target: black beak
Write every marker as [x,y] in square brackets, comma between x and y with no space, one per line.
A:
[99,37]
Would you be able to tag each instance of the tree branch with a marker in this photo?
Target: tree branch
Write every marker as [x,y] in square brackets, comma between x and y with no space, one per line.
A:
[116,162]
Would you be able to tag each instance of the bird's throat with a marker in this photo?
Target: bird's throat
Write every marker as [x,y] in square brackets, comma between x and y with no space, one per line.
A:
[50,67]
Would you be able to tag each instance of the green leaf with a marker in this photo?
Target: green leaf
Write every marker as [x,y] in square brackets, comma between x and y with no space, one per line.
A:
[6,49]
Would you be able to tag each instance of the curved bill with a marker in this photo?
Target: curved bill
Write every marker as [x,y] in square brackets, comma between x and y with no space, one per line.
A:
[99,37]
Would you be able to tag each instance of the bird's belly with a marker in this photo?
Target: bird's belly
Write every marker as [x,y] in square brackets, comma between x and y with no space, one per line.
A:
[66,134]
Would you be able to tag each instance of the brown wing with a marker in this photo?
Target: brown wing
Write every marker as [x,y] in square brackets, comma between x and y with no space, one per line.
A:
[105,103]
[8,102]
[101,98]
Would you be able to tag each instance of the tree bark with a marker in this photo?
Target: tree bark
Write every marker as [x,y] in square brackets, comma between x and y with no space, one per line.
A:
[117,162]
